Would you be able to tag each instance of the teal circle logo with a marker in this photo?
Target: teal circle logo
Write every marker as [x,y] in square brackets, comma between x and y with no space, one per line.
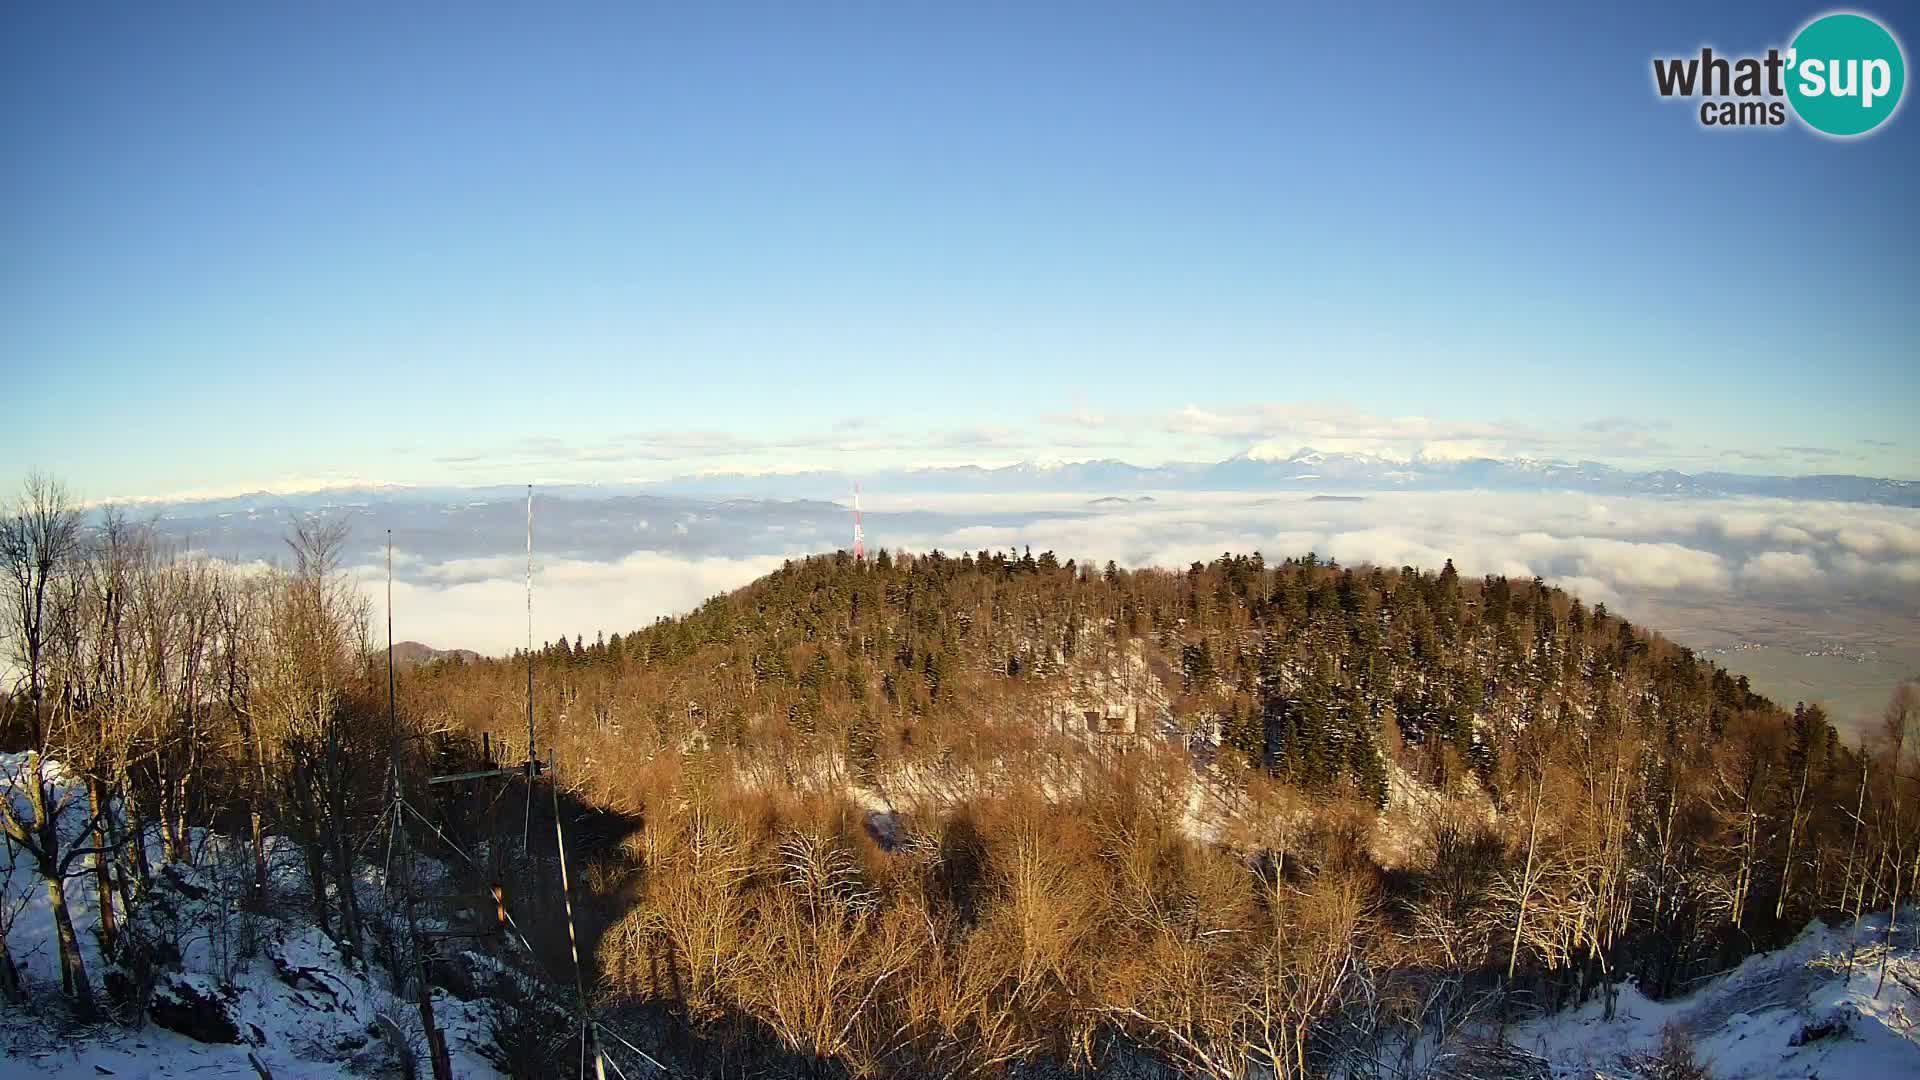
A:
[1845,73]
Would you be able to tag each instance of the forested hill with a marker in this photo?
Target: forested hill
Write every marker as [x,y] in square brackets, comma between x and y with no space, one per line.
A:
[939,816]
[1315,672]
[1487,783]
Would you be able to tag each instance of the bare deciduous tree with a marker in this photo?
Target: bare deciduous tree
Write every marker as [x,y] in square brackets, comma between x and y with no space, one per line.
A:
[39,540]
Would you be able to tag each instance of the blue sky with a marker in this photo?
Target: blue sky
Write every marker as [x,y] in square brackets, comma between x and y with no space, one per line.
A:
[265,244]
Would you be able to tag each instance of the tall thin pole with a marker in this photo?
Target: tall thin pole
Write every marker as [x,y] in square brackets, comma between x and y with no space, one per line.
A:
[859,534]
[526,824]
[393,714]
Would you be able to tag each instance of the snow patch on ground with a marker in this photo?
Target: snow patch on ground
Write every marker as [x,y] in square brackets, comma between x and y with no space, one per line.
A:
[1799,1011]
[294,1004]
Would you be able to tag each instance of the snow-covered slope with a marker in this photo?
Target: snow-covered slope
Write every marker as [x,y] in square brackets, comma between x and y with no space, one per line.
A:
[270,982]
[295,1009]
[270,987]
[1800,1011]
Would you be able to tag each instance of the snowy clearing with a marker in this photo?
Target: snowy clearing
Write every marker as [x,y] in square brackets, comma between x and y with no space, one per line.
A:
[1793,1012]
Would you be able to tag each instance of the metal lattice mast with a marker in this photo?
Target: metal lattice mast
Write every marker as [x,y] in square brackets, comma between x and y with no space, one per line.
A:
[393,716]
[526,824]
[859,534]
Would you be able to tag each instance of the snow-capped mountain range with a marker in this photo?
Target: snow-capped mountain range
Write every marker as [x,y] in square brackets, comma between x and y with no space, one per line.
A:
[1261,468]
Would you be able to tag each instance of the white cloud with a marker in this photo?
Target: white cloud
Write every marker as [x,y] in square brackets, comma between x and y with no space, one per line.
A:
[1614,550]
[1284,449]
[1385,546]
[1277,430]
[1591,590]
[1623,551]
[1894,571]
[1406,438]
[1642,565]
[1780,568]
[1461,449]
[1874,538]
[570,597]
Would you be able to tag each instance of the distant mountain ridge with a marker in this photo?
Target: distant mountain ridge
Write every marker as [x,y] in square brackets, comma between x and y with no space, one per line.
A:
[1304,470]
[414,653]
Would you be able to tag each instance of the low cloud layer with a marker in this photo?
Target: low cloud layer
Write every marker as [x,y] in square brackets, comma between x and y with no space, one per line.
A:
[1606,548]
[1808,578]
[572,598]
[1633,554]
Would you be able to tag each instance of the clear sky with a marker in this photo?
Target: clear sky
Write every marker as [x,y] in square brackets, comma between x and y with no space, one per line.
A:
[258,244]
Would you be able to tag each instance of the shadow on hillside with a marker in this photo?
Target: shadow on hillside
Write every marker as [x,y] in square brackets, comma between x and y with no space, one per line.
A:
[500,830]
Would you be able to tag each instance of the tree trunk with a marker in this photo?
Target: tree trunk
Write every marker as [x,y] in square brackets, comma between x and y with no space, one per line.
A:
[1793,836]
[9,976]
[73,966]
[1666,846]
[1888,944]
[1853,848]
[1526,886]
[169,846]
[349,902]
[259,838]
[183,818]
[99,803]
[183,803]
[257,810]
[342,851]
[311,847]
[136,836]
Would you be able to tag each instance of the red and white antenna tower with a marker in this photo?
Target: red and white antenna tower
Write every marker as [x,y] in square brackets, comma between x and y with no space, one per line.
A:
[859,536]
